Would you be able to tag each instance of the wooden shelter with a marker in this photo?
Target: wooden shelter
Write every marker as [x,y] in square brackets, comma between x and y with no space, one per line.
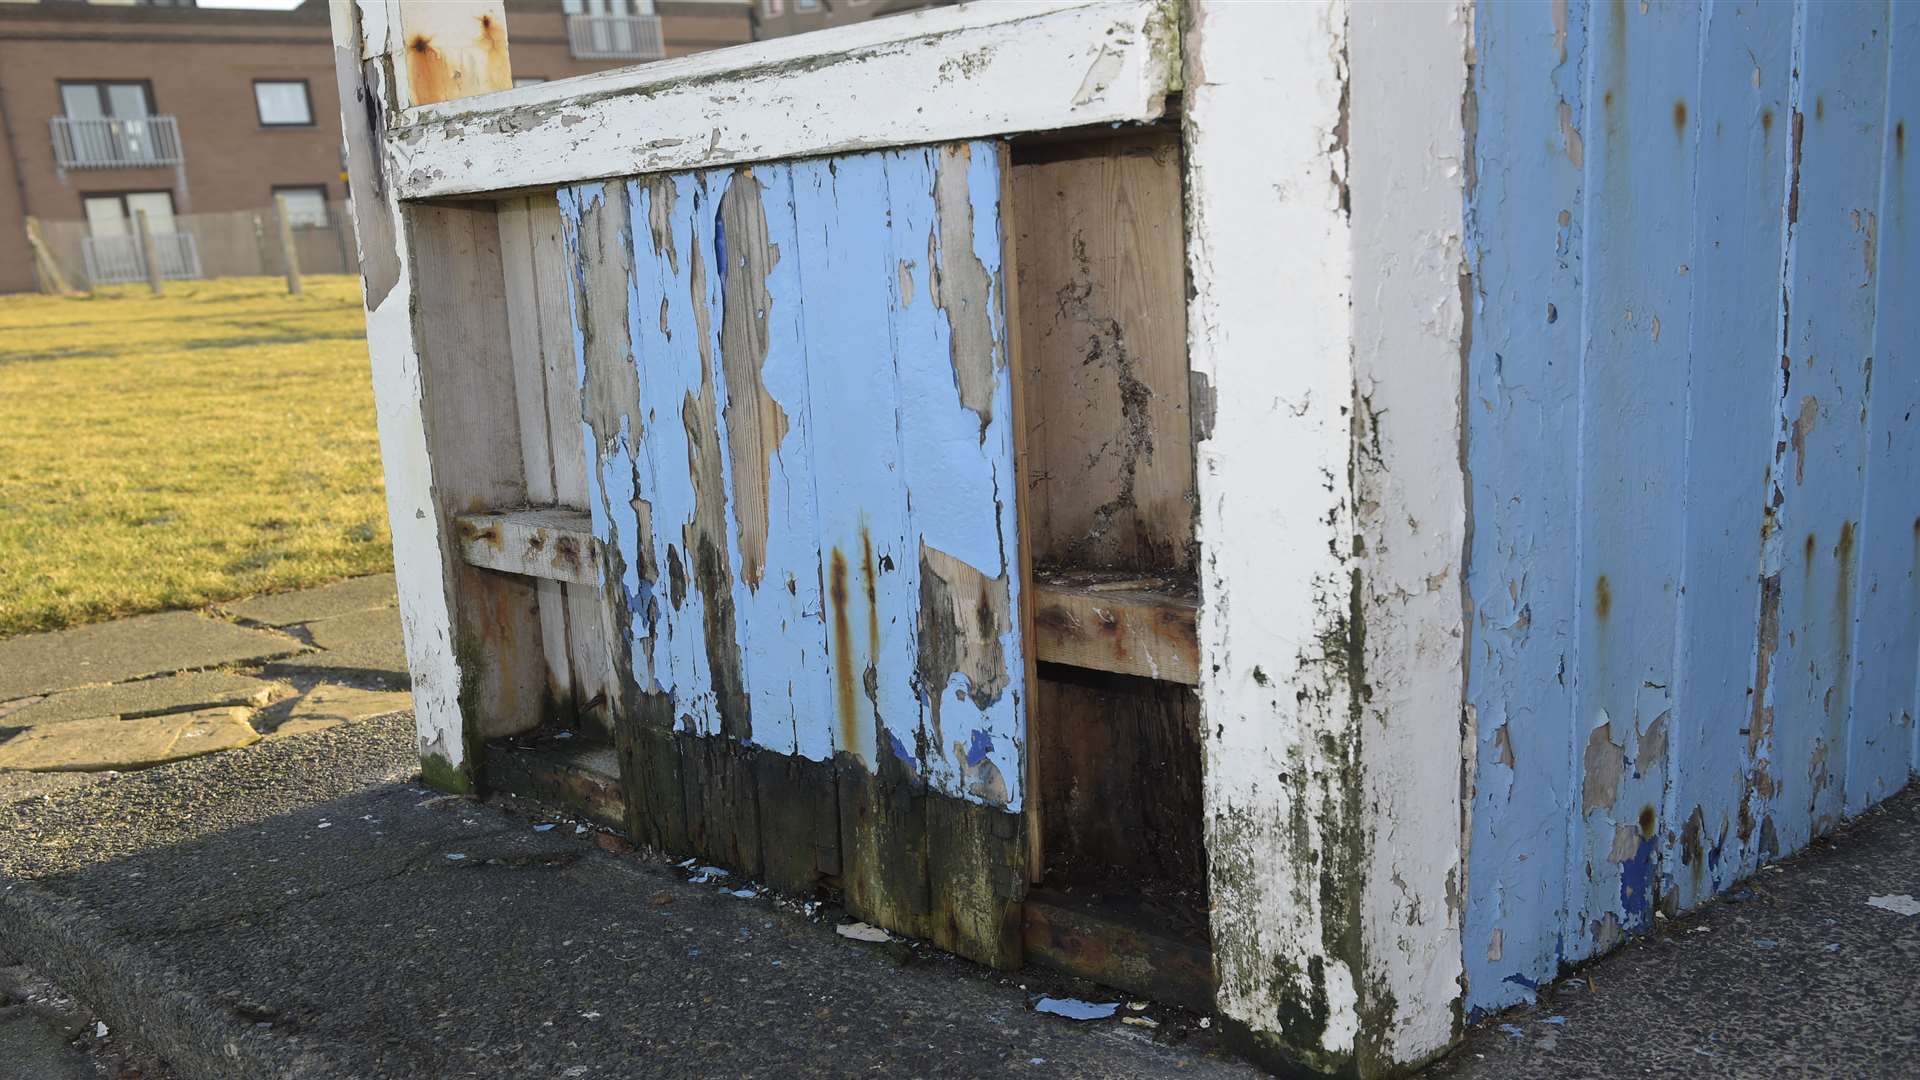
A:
[1258,504]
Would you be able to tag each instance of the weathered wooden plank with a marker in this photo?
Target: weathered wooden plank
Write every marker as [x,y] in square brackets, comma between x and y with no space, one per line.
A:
[1882,748]
[1109,441]
[453,49]
[925,77]
[552,545]
[1117,622]
[1126,812]
[1525,222]
[595,688]
[780,614]
[1134,951]
[1826,359]
[870,565]
[1735,273]
[523,292]
[466,373]
[956,436]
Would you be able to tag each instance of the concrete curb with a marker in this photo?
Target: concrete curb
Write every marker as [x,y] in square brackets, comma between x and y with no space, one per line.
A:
[199,1038]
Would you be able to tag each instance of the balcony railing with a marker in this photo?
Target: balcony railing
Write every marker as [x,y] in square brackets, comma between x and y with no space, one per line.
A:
[116,144]
[616,37]
[117,260]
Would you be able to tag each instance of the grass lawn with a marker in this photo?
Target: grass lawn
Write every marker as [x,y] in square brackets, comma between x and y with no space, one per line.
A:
[170,452]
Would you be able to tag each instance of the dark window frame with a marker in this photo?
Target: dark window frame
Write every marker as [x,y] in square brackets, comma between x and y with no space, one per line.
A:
[306,90]
[100,85]
[326,197]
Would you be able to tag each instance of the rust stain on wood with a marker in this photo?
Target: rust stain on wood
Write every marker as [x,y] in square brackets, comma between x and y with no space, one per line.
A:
[843,700]
[756,424]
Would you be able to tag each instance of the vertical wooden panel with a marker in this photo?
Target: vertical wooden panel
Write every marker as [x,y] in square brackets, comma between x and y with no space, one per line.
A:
[871,568]
[1881,747]
[1745,145]
[1525,227]
[1109,448]
[467,384]
[1839,107]
[956,435]
[1640,162]
[524,292]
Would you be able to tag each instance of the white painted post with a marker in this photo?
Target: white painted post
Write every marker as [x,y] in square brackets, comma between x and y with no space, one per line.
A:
[1324,215]
[148,252]
[288,252]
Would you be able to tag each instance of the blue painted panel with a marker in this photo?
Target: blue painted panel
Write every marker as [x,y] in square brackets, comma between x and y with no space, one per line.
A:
[1640,181]
[802,441]
[871,568]
[1736,686]
[957,461]
[1881,747]
[1745,141]
[1840,106]
[1524,222]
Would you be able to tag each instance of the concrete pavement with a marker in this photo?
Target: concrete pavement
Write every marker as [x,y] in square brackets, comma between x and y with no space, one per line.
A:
[139,692]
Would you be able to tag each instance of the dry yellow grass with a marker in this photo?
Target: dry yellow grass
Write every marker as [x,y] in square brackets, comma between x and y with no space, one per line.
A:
[170,452]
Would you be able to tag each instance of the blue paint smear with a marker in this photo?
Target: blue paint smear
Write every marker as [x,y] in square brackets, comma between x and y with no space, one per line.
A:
[900,751]
[979,748]
[1636,887]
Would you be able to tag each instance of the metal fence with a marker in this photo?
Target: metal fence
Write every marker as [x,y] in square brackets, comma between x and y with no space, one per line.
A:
[238,242]
[119,260]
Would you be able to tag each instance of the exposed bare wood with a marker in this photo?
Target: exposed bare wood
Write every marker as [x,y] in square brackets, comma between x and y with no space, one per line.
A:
[51,279]
[549,544]
[148,253]
[1016,373]
[472,428]
[1103,339]
[530,390]
[1116,622]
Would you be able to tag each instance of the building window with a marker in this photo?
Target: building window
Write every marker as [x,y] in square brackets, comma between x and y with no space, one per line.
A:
[106,100]
[113,215]
[773,8]
[528,80]
[805,5]
[283,103]
[306,205]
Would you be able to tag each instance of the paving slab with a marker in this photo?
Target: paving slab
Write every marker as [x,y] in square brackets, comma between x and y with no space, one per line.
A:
[146,697]
[112,744]
[365,648]
[129,649]
[291,911]
[329,705]
[325,602]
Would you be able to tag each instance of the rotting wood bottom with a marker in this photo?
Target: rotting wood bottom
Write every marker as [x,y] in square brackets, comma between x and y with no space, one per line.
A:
[1152,945]
[1137,943]
[559,770]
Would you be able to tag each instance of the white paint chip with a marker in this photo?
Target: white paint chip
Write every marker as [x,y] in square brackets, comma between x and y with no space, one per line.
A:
[860,931]
[1075,1009]
[1901,904]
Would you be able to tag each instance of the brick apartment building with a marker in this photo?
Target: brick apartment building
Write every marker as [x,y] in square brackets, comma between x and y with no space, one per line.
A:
[201,115]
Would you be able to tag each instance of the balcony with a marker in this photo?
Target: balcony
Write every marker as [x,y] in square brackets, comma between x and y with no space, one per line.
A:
[116,144]
[616,37]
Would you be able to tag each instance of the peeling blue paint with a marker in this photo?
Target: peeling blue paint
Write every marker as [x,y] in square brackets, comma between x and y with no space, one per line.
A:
[1651,498]
[877,460]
